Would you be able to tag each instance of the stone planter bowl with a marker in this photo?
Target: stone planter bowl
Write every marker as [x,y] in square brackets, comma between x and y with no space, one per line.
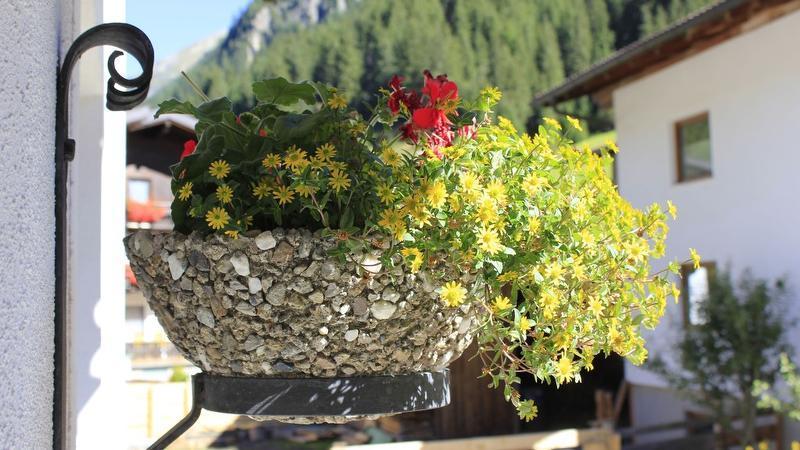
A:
[275,304]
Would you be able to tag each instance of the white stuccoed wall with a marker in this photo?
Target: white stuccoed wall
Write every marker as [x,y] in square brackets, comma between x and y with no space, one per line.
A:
[35,33]
[28,58]
[747,214]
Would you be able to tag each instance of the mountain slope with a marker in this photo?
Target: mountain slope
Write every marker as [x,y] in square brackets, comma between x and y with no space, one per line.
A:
[521,46]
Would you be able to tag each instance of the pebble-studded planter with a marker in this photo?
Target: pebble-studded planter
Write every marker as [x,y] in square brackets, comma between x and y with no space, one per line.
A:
[275,304]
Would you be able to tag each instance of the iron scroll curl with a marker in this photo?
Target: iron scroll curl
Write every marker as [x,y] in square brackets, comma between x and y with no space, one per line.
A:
[122,94]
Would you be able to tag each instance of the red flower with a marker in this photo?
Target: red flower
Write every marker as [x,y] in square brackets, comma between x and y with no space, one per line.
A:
[429,118]
[262,132]
[400,95]
[409,132]
[188,148]
[440,90]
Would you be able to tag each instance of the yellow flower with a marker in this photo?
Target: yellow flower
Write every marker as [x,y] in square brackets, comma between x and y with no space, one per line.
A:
[325,152]
[422,216]
[283,195]
[219,169]
[795,445]
[487,211]
[488,240]
[232,234]
[337,165]
[224,193]
[185,191]
[317,163]
[416,258]
[436,193]
[271,161]
[497,190]
[695,258]
[217,218]
[295,159]
[390,157]
[676,294]
[501,303]
[533,183]
[492,94]
[574,123]
[261,189]
[469,182]
[534,224]
[399,232]
[586,237]
[612,146]
[595,306]
[524,324]
[549,121]
[385,193]
[305,190]
[554,272]
[453,294]
[506,124]
[508,276]
[673,211]
[455,202]
[763,445]
[339,180]
[337,101]
[564,368]
[391,219]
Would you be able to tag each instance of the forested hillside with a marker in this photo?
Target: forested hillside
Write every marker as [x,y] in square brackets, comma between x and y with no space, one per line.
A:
[521,46]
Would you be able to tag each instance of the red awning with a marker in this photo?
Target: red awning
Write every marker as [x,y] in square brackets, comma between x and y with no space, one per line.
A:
[145,212]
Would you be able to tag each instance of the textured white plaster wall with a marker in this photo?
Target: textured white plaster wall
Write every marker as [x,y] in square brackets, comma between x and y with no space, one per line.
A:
[747,213]
[28,59]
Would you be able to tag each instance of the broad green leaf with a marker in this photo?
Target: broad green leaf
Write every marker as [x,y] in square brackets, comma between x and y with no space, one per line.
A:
[278,91]
[173,106]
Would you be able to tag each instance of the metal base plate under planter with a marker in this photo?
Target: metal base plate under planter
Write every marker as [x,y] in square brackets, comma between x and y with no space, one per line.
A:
[312,397]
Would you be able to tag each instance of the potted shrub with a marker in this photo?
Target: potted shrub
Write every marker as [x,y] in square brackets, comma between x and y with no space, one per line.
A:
[313,241]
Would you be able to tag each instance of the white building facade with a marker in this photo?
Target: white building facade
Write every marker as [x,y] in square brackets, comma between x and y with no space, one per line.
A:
[745,214]
[735,68]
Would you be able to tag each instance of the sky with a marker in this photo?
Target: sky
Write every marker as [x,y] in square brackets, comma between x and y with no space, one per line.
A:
[173,25]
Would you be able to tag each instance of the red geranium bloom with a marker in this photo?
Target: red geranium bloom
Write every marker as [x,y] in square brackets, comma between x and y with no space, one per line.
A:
[262,132]
[400,95]
[409,132]
[188,148]
[440,90]
[429,118]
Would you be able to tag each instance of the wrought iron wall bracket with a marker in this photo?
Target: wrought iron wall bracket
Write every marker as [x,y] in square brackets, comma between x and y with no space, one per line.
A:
[122,94]
[312,397]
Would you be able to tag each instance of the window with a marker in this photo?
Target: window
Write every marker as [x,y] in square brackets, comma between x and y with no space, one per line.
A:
[138,190]
[693,141]
[695,290]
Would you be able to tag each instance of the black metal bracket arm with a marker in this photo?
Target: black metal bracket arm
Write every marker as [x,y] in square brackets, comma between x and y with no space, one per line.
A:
[312,397]
[123,94]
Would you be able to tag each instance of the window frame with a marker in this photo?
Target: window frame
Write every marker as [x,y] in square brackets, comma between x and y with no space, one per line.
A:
[697,118]
[141,179]
[686,270]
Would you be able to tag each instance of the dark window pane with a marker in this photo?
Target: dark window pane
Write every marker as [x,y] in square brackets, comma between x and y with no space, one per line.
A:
[694,149]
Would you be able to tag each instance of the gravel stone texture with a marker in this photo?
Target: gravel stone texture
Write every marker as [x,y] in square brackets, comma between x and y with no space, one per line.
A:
[273,304]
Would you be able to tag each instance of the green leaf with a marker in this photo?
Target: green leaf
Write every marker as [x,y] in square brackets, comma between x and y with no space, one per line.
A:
[278,91]
[346,221]
[297,126]
[214,110]
[173,106]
